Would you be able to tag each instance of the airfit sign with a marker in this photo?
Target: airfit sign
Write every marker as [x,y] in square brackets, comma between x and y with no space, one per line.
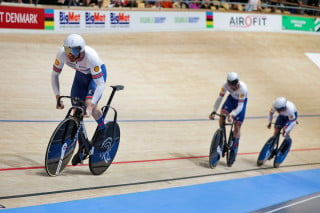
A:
[22,18]
[247,22]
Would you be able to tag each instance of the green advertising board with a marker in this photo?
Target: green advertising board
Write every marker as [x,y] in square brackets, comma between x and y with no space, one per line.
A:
[298,23]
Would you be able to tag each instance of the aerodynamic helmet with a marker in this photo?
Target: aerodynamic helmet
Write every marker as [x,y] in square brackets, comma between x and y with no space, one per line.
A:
[233,78]
[74,44]
[280,103]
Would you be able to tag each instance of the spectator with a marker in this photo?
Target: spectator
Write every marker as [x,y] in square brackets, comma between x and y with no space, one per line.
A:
[253,5]
[194,4]
[206,4]
[166,4]
[313,3]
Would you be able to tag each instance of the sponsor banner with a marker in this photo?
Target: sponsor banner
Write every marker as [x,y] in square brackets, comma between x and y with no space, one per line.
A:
[298,23]
[77,20]
[21,18]
[247,22]
[128,21]
[170,21]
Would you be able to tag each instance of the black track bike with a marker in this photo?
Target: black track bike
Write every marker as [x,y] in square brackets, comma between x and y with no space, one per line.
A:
[64,139]
[271,150]
[221,145]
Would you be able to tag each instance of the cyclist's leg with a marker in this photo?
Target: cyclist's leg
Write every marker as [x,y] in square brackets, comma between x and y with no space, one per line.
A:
[280,123]
[225,110]
[96,111]
[237,130]
[79,89]
[82,153]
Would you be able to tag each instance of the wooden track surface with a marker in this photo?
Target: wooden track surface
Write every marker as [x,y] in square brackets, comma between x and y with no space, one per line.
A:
[171,81]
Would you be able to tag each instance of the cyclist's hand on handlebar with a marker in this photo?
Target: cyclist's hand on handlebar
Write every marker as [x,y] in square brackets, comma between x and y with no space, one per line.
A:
[211,116]
[269,125]
[59,105]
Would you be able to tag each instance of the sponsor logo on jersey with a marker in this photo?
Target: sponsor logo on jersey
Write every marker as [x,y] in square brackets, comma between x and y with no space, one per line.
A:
[241,96]
[96,68]
[57,62]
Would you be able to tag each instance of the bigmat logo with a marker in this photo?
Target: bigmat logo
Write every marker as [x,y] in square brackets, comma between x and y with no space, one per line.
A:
[95,19]
[119,20]
[248,21]
[70,19]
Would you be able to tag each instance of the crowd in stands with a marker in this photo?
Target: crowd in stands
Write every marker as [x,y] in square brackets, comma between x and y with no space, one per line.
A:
[310,7]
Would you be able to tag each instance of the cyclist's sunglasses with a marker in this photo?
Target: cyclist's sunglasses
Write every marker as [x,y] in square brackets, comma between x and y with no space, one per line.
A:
[72,50]
[281,109]
[233,83]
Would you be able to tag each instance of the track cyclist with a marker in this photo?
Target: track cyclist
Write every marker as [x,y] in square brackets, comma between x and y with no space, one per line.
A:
[88,84]
[234,108]
[287,118]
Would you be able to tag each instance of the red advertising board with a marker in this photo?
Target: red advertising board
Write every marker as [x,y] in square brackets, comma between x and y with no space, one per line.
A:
[21,17]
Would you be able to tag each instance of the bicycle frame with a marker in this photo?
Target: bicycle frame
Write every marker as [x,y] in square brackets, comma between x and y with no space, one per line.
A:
[71,130]
[226,140]
[222,145]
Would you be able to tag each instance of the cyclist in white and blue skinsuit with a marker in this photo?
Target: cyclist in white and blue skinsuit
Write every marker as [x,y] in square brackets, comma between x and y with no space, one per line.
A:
[234,107]
[89,81]
[287,117]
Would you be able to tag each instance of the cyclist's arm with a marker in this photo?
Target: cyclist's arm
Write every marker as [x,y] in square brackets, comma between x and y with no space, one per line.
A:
[219,99]
[270,117]
[56,70]
[292,123]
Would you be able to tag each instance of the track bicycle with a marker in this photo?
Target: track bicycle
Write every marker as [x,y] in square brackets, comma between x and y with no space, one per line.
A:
[72,130]
[271,150]
[221,145]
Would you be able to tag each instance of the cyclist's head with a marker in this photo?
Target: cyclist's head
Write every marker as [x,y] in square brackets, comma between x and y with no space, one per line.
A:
[280,104]
[74,45]
[232,79]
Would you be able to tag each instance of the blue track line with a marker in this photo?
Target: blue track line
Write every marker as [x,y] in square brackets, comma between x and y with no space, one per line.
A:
[150,120]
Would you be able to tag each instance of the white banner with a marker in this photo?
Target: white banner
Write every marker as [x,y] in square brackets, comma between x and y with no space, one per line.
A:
[247,22]
[127,21]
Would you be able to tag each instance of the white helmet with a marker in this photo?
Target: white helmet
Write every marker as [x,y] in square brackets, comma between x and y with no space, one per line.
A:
[74,44]
[232,78]
[280,103]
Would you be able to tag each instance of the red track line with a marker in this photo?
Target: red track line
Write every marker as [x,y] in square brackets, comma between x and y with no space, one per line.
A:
[153,160]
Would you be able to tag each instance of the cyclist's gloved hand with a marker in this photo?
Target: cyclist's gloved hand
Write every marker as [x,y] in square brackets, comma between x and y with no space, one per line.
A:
[211,116]
[59,105]
[269,125]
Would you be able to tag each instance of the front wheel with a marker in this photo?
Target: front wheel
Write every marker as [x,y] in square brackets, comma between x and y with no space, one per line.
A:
[61,146]
[266,151]
[103,153]
[215,148]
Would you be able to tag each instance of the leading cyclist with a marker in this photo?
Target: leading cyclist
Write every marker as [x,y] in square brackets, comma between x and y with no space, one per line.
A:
[88,84]
[234,108]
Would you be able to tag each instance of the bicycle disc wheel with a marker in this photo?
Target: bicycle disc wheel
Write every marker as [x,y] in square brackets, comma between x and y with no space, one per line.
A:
[282,152]
[61,147]
[103,155]
[266,151]
[214,155]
